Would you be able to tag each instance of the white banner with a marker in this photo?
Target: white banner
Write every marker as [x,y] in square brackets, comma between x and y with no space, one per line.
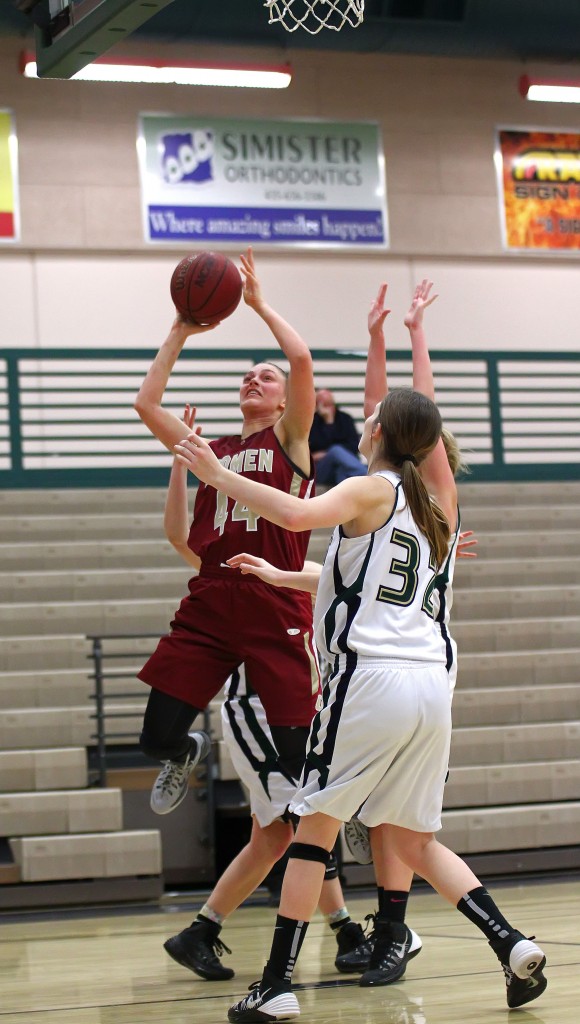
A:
[292,183]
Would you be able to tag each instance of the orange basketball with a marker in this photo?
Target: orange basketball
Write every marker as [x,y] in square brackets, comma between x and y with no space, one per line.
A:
[206,287]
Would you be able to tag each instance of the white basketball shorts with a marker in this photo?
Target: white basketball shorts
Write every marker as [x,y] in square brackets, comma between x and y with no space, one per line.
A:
[250,745]
[380,745]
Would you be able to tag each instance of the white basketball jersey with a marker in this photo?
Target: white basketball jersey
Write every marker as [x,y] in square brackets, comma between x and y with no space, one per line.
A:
[375,592]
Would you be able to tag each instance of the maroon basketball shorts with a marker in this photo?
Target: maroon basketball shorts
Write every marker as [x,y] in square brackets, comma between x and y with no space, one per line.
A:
[226,621]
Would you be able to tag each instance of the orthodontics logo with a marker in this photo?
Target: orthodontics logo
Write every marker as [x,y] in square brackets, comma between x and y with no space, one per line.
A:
[187,156]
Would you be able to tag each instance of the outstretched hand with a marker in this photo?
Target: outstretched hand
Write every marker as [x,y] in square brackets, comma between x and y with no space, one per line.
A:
[252,291]
[377,313]
[463,543]
[188,327]
[421,300]
[256,567]
[189,414]
[195,453]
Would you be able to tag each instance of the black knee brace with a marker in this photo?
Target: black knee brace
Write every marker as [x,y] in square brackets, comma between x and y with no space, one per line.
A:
[306,851]
[331,867]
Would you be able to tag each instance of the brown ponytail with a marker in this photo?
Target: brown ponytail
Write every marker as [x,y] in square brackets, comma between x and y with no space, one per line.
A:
[410,428]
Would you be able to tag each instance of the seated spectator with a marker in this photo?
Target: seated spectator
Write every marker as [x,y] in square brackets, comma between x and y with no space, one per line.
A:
[334,442]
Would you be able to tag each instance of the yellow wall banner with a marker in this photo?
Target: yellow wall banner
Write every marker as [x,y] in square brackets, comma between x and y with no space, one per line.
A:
[9,219]
[539,187]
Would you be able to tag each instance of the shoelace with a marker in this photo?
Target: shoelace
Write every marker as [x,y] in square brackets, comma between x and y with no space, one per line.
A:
[509,974]
[172,777]
[390,957]
[220,948]
[252,989]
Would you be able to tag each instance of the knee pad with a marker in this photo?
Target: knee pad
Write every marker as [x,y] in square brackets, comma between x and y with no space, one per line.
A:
[306,851]
[331,867]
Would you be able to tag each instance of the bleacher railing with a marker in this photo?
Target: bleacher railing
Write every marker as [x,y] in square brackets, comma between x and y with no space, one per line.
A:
[112,657]
[67,417]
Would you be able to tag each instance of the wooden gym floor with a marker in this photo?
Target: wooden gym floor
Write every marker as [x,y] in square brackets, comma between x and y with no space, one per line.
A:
[110,968]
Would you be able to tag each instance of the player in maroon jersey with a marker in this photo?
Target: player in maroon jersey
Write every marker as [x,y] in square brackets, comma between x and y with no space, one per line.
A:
[227,618]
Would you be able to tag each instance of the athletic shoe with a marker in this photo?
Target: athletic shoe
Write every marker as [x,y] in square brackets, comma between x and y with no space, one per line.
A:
[354,948]
[394,944]
[198,949]
[170,786]
[268,999]
[522,963]
[358,841]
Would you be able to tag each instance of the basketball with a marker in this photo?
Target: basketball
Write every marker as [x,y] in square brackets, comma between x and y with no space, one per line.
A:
[206,287]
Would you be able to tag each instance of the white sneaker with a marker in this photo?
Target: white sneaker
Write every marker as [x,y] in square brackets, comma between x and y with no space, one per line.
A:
[264,1003]
[170,787]
[358,841]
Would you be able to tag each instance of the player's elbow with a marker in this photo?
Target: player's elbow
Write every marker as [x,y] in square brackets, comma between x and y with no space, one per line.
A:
[142,407]
[294,519]
[146,410]
[301,362]
[175,539]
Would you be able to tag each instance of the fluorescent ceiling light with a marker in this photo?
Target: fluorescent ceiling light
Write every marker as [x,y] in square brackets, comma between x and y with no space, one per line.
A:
[550,90]
[237,77]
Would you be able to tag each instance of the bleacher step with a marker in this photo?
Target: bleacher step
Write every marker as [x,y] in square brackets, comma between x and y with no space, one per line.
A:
[94,585]
[23,770]
[60,811]
[503,744]
[520,827]
[516,705]
[542,667]
[520,783]
[88,855]
[140,615]
[517,634]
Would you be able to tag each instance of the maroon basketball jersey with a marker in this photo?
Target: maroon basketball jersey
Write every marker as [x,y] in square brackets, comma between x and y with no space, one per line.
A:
[223,527]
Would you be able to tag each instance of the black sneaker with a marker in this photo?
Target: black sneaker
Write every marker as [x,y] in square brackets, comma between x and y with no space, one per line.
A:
[522,963]
[354,948]
[394,944]
[198,949]
[268,999]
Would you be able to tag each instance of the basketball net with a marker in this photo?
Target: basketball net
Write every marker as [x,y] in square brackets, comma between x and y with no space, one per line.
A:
[314,15]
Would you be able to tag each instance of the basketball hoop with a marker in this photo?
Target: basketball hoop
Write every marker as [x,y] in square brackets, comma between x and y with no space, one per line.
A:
[314,15]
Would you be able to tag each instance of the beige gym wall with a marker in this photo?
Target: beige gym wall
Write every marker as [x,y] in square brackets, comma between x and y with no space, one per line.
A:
[83,276]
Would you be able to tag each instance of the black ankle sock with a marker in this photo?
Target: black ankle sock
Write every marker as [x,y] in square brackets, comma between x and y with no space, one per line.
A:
[393,904]
[337,925]
[288,938]
[380,896]
[479,907]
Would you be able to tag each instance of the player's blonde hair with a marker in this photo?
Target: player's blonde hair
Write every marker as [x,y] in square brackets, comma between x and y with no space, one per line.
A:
[455,456]
[410,429]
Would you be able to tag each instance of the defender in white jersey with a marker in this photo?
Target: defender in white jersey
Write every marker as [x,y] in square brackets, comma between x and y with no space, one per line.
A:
[404,429]
[394,878]
[374,623]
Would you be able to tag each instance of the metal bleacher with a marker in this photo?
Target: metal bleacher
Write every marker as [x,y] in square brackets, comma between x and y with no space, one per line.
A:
[513,794]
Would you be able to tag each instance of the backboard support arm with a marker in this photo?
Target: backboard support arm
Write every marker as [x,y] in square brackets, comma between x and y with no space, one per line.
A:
[82,40]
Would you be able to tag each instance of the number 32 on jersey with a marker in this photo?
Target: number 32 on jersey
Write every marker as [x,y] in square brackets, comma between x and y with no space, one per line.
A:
[407,568]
